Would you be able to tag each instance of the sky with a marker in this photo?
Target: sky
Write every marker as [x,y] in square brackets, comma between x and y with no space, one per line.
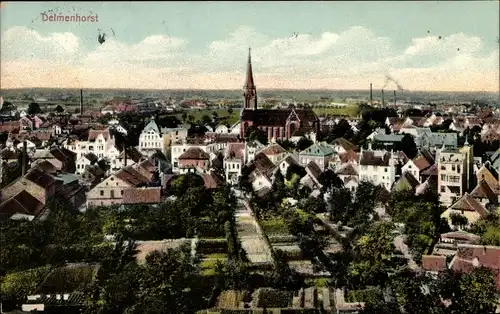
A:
[425,46]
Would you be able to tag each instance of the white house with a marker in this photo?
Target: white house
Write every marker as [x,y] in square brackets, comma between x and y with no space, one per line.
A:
[234,160]
[100,142]
[176,150]
[378,167]
[84,161]
[151,139]
[221,128]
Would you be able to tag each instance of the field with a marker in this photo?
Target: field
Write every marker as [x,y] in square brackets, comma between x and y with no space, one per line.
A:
[230,118]
[351,111]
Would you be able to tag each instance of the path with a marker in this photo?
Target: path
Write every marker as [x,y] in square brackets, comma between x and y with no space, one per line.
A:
[251,238]
[400,245]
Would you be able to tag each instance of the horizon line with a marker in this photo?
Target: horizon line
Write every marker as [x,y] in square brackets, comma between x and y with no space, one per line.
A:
[262,89]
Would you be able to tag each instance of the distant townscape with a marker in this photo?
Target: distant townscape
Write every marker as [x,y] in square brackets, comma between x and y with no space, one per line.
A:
[179,202]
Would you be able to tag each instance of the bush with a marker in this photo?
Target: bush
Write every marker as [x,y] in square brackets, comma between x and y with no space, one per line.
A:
[366,295]
[23,283]
[212,246]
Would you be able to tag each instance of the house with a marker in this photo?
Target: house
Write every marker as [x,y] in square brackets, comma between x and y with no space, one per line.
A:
[448,242]
[212,180]
[100,142]
[222,128]
[274,152]
[406,182]
[419,164]
[254,147]
[178,149]
[285,163]
[434,264]
[311,179]
[435,140]
[21,205]
[86,160]
[261,171]
[234,160]
[378,167]
[141,196]
[92,175]
[193,158]
[466,206]
[151,139]
[128,157]
[342,146]
[110,191]
[320,153]
[454,173]
[469,256]
[348,173]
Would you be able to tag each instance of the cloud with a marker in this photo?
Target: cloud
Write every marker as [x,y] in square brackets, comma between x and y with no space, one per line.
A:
[350,59]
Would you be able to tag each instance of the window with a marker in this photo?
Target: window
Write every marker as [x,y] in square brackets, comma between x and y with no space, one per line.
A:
[458,169]
[121,192]
[112,193]
[443,177]
[385,169]
[443,167]
[102,193]
[443,189]
[454,179]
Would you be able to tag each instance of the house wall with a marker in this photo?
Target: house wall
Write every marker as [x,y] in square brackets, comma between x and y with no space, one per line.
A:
[108,192]
[321,161]
[261,182]
[385,176]
[177,150]
[80,165]
[411,168]
[472,216]
[232,169]
[451,174]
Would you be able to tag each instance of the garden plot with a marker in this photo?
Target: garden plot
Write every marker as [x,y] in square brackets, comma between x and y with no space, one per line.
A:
[252,240]
[146,247]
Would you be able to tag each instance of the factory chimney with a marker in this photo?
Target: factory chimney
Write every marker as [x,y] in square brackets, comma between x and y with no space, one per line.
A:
[394,98]
[81,101]
[371,95]
[383,103]
[24,159]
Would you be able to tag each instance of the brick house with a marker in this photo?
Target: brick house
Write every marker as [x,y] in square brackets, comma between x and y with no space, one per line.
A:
[194,157]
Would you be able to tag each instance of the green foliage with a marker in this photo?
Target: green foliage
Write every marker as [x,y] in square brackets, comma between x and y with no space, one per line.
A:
[20,284]
[489,229]
[365,295]
[408,146]
[274,226]
[253,133]
[295,169]
[303,143]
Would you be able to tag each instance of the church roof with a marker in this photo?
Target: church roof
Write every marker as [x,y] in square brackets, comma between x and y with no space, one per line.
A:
[249,84]
[278,117]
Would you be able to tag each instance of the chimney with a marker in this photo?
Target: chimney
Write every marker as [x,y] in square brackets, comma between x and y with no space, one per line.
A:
[124,155]
[81,101]
[371,95]
[394,98]
[383,98]
[23,160]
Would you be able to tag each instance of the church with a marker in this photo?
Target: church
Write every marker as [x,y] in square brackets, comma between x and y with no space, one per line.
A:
[279,124]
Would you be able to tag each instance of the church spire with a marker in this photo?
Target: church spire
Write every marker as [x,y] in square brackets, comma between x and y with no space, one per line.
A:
[250,91]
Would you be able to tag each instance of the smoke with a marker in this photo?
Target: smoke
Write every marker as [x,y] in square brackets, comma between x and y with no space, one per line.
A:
[388,79]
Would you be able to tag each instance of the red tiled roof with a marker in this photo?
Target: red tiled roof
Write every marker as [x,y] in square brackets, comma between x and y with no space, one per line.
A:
[194,153]
[348,156]
[487,256]
[212,180]
[150,195]
[273,149]
[37,176]
[235,150]
[93,134]
[434,262]
[421,163]
[345,144]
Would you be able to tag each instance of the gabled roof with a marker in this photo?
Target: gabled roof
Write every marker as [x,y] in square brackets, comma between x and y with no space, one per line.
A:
[434,263]
[370,158]
[345,144]
[313,169]
[483,190]
[131,176]
[146,195]
[347,170]
[45,166]
[212,180]
[469,256]
[421,163]
[468,203]
[40,178]
[348,156]
[406,181]
[262,163]
[91,157]
[273,149]
[21,203]
[461,235]
[132,154]
[235,150]
[194,153]
[93,134]
[318,149]
[486,174]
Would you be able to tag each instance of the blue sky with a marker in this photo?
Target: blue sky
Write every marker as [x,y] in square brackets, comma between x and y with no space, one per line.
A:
[203,44]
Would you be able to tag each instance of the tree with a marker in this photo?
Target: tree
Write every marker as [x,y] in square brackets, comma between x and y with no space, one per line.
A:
[205,119]
[303,143]
[7,106]
[184,117]
[473,292]
[34,108]
[458,220]
[230,110]
[253,133]
[408,146]
[329,180]
[59,109]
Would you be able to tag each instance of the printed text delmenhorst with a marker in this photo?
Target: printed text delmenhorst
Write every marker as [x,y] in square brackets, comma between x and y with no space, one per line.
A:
[69,18]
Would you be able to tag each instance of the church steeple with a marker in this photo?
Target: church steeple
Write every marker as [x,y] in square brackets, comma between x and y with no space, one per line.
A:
[250,92]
